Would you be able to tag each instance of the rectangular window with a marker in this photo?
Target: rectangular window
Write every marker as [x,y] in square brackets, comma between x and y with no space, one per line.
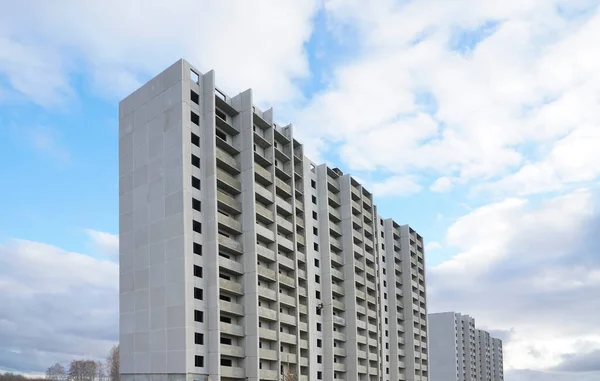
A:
[319,343]
[315,231]
[195,140]
[314,200]
[197,248]
[226,340]
[319,327]
[319,359]
[316,246]
[199,316]
[225,319]
[313,184]
[197,226]
[198,293]
[196,182]
[319,375]
[196,205]
[199,339]
[225,298]
[199,361]
[318,294]
[220,114]
[195,118]
[195,161]
[194,97]
[314,215]
[316,262]
[197,271]
[226,362]
[317,279]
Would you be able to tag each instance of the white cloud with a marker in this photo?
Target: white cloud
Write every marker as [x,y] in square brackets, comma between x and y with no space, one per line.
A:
[56,306]
[529,268]
[396,186]
[44,45]
[441,184]
[107,243]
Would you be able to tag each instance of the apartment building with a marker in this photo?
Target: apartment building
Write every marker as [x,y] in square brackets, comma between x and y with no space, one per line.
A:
[460,352]
[241,259]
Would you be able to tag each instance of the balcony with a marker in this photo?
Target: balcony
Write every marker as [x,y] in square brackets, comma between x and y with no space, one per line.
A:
[335,230]
[285,226]
[334,214]
[301,274]
[300,240]
[267,354]
[360,294]
[303,309]
[337,290]
[359,279]
[287,300]
[304,328]
[362,369]
[259,138]
[335,199]
[262,175]
[357,222]
[300,221]
[227,162]
[263,194]
[368,215]
[287,319]
[287,338]
[283,189]
[263,214]
[232,350]
[368,229]
[231,265]
[229,245]
[231,307]
[283,207]
[232,329]
[333,184]
[266,374]
[229,224]
[266,233]
[267,293]
[261,159]
[356,206]
[226,146]
[299,205]
[286,262]
[227,203]
[337,320]
[370,271]
[339,351]
[230,286]
[227,182]
[337,259]
[266,333]
[339,336]
[287,281]
[337,305]
[285,243]
[266,273]
[267,313]
[232,372]
[337,274]
[335,243]
[265,253]
[339,367]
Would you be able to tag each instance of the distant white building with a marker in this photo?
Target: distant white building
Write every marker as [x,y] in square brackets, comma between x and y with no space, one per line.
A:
[460,352]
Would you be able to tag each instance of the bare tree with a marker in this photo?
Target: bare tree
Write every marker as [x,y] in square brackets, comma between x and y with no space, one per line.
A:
[83,370]
[56,372]
[112,364]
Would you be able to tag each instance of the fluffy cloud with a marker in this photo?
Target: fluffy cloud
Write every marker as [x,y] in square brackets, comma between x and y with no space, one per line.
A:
[56,306]
[531,269]
[396,186]
[107,243]
[468,89]
[42,45]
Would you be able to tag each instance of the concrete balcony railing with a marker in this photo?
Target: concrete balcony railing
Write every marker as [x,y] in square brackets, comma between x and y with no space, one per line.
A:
[333,184]
[267,313]
[262,175]
[334,198]
[300,256]
[338,290]
[229,202]
[228,244]
[232,265]
[373,371]
[338,320]
[361,339]
[287,319]
[268,334]
[362,369]
[232,329]
[286,280]
[266,273]
[230,286]
[271,375]
[267,293]
[356,206]
[299,205]
[283,205]
[336,304]
[265,233]
[335,214]
[227,161]
[368,215]
[286,262]
[337,274]
[263,194]
[283,187]
[232,372]
[371,299]
[339,352]
[264,214]
[301,274]
[232,350]
[228,182]
[335,229]
[372,328]
[339,336]
[267,354]
[229,224]
[337,259]
[359,279]
[336,243]
[355,192]
[303,309]
[370,258]
[339,367]
[357,221]
[301,241]
[285,243]
[288,300]
[287,338]
[304,328]
[360,294]
[372,343]
[231,307]
[285,225]
[368,228]
[303,361]
[361,310]
[371,285]
[265,253]
[300,222]
[361,324]
[372,314]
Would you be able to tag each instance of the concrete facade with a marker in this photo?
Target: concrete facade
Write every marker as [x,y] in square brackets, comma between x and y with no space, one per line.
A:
[460,352]
[242,259]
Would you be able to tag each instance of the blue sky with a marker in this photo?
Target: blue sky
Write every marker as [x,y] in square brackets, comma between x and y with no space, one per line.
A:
[475,122]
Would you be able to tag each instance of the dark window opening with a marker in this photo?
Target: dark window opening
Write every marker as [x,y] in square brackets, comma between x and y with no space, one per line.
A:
[199,338]
[198,271]
[221,134]
[194,97]
[220,114]
[195,118]
[196,205]
[199,361]
[195,161]
[195,140]
[199,316]
[197,248]
[198,293]
[196,182]
[197,227]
